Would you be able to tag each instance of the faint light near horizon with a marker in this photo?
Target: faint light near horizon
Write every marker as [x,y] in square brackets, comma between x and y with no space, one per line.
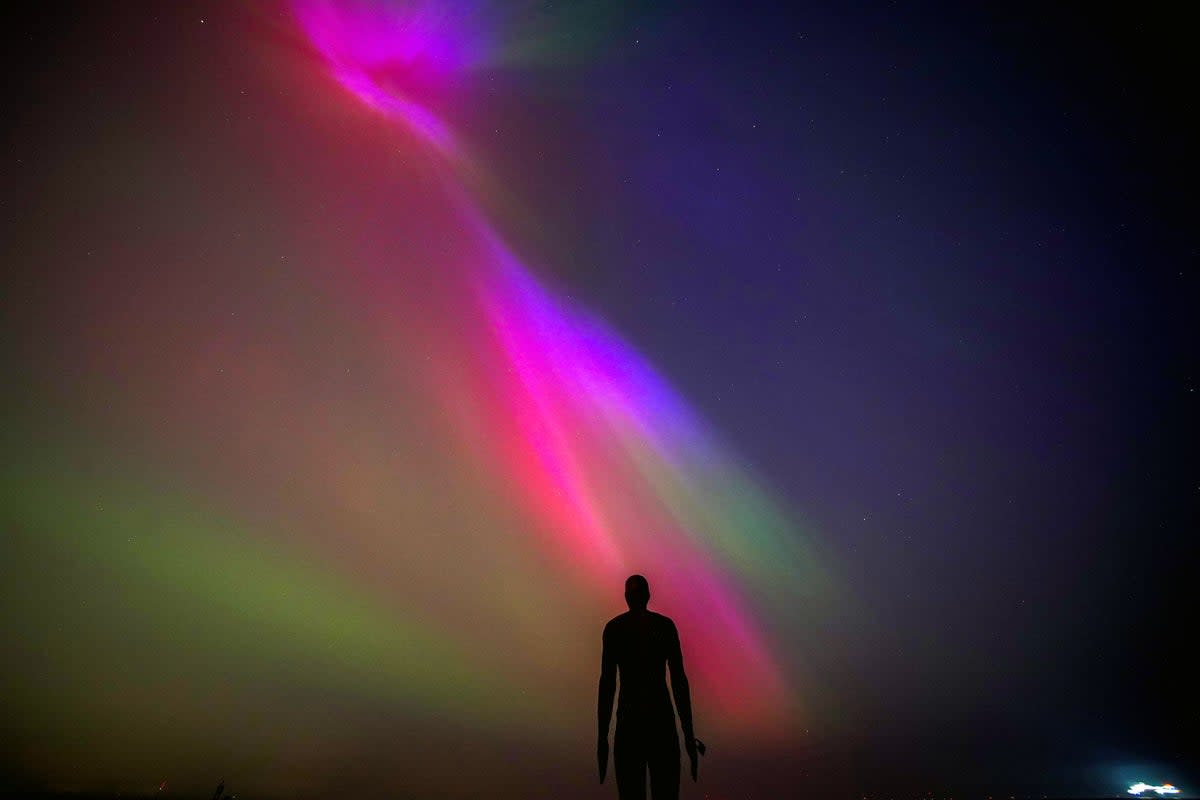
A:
[1142,788]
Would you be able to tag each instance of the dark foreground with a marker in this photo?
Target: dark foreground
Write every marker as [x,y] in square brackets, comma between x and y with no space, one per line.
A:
[806,796]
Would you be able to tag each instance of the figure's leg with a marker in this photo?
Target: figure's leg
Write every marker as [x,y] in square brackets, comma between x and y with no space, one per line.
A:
[629,762]
[664,765]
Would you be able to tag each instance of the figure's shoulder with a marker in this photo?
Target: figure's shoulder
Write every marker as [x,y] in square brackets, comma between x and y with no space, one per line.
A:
[617,622]
[662,621]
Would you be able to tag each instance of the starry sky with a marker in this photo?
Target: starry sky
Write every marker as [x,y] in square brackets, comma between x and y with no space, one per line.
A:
[357,351]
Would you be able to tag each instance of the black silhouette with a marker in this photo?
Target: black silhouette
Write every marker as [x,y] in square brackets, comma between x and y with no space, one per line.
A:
[639,644]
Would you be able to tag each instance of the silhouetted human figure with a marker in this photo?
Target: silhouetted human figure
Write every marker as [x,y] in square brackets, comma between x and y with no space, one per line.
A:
[641,646]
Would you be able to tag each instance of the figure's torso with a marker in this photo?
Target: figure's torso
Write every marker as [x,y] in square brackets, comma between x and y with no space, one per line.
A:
[641,642]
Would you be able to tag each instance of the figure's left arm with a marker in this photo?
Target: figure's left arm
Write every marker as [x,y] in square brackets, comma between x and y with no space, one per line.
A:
[604,703]
[608,687]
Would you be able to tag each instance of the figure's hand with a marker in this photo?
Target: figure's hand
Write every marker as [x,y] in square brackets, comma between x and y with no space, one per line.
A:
[693,756]
[602,756]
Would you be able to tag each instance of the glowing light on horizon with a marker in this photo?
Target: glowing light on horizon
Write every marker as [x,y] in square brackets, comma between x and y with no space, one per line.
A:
[1160,790]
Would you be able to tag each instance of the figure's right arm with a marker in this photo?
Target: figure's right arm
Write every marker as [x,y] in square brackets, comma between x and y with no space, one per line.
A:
[608,686]
[679,682]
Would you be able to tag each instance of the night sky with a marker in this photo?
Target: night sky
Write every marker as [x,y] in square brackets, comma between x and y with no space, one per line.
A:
[355,353]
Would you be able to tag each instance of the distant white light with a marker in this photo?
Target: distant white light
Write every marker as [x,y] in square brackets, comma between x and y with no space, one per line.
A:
[1142,788]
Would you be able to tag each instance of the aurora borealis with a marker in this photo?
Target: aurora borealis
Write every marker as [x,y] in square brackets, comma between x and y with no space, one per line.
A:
[360,350]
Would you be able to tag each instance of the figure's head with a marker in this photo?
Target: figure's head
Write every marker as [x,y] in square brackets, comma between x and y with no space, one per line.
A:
[637,592]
